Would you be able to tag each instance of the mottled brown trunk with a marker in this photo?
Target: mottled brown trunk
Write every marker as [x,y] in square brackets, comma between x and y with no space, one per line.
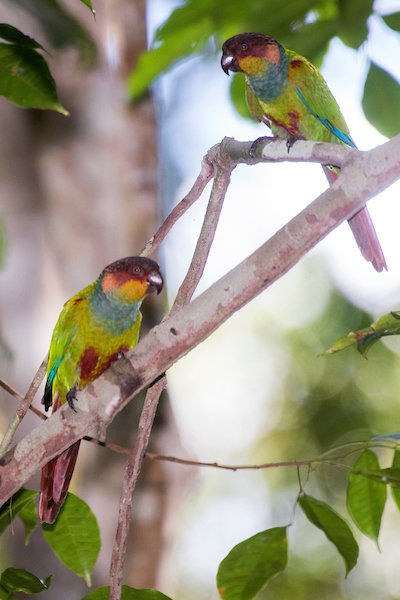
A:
[77,193]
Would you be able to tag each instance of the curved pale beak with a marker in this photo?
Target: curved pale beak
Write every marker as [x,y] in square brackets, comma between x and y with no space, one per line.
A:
[228,63]
[155,281]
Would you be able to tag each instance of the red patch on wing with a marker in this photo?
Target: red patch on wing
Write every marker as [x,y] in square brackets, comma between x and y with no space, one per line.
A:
[121,350]
[293,122]
[88,363]
[290,126]
[295,64]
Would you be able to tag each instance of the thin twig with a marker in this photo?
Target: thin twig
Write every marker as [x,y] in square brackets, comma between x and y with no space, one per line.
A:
[206,237]
[22,408]
[132,472]
[9,388]
[205,175]
[215,465]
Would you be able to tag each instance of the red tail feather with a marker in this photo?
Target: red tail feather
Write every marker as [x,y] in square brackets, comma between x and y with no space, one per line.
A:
[364,231]
[54,483]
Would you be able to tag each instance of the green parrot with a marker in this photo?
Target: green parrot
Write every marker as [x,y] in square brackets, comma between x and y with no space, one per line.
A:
[95,327]
[290,96]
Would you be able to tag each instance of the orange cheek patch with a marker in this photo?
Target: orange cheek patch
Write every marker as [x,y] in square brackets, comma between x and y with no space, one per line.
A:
[113,280]
[272,53]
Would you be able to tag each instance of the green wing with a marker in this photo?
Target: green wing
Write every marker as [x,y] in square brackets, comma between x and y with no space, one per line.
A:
[254,106]
[341,135]
[316,100]
[63,336]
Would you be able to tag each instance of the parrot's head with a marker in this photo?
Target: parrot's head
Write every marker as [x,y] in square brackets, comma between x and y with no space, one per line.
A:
[131,279]
[250,53]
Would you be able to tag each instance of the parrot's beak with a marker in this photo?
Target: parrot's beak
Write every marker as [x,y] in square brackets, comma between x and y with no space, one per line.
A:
[155,281]
[228,63]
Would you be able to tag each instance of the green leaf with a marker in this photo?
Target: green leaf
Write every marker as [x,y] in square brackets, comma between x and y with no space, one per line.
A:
[381,101]
[312,39]
[75,537]
[388,476]
[238,96]
[11,509]
[20,580]
[15,36]
[393,21]
[334,526]
[366,497]
[25,79]
[4,595]
[60,27]
[364,339]
[353,29]
[128,593]
[158,60]
[89,4]
[28,515]
[396,489]
[249,565]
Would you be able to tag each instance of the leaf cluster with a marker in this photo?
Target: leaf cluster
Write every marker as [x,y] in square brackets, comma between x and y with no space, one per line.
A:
[363,339]
[25,78]
[248,567]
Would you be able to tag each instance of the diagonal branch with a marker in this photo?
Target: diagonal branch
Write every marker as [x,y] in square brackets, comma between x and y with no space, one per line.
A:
[363,176]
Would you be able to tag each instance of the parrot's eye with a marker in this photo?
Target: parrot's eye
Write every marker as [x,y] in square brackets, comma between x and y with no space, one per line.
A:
[137,271]
[244,47]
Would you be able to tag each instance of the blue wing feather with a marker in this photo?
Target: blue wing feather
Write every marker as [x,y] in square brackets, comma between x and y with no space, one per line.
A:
[343,137]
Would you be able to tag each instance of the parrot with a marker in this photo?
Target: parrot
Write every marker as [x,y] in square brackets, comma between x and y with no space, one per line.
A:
[95,327]
[289,94]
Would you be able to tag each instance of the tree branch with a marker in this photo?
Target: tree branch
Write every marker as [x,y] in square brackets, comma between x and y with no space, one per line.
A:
[22,408]
[205,175]
[364,175]
[132,471]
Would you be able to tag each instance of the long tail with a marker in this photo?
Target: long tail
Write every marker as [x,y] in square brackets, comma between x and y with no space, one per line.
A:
[54,483]
[363,230]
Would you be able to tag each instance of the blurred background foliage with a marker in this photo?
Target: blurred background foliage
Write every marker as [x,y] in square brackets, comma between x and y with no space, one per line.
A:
[79,192]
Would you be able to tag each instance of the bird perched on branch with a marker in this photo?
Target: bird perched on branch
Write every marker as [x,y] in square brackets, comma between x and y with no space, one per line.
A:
[286,92]
[95,327]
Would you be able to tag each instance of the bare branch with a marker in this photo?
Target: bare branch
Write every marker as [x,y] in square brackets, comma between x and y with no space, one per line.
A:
[215,465]
[9,388]
[363,176]
[205,175]
[132,472]
[207,234]
[22,408]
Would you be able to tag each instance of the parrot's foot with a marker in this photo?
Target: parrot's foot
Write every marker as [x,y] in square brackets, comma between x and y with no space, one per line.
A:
[121,354]
[290,142]
[71,398]
[257,146]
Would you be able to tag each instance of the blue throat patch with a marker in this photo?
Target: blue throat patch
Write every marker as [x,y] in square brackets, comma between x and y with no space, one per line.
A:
[115,316]
[269,84]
